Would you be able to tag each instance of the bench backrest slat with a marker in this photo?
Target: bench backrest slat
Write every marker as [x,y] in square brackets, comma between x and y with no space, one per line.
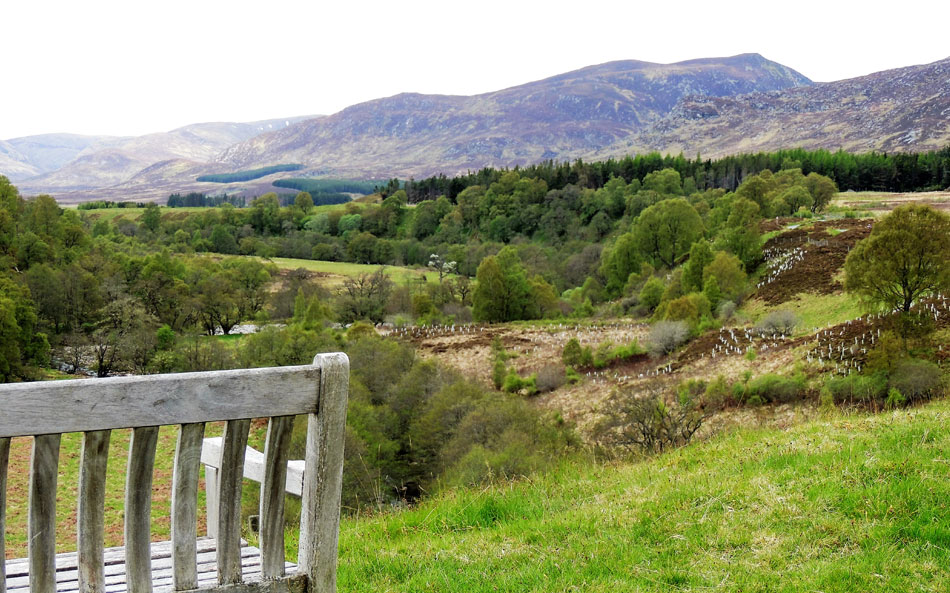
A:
[155,400]
[90,511]
[276,450]
[41,519]
[4,458]
[184,520]
[138,509]
[229,501]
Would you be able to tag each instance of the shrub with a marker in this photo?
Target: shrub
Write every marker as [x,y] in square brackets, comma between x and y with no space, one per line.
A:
[717,395]
[916,379]
[514,383]
[667,336]
[726,310]
[776,388]
[576,356]
[857,388]
[651,293]
[549,378]
[647,423]
[780,322]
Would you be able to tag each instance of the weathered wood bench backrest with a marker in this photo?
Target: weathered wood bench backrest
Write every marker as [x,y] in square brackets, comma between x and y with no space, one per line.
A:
[143,403]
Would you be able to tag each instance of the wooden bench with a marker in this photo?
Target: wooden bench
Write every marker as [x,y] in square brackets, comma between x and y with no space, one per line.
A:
[224,563]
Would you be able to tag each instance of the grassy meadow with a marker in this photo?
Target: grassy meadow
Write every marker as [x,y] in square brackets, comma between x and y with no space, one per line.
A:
[848,503]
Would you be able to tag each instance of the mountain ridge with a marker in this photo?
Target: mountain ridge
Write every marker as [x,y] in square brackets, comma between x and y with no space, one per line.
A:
[708,106]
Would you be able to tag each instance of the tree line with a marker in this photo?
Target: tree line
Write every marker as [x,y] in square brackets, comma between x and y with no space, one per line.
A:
[873,171]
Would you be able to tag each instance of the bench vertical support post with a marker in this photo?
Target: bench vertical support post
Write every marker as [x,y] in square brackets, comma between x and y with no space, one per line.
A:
[41,519]
[323,476]
[90,527]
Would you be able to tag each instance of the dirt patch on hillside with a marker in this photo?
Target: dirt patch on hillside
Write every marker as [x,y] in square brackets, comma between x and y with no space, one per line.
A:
[468,348]
[807,260]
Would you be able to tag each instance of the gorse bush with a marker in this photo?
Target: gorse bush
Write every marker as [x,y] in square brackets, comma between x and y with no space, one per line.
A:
[780,322]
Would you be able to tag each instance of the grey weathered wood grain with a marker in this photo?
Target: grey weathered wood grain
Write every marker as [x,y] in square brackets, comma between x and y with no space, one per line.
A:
[155,400]
[138,508]
[185,504]
[4,458]
[253,465]
[161,552]
[276,449]
[41,518]
[323,477]
[229,500]
[90,528]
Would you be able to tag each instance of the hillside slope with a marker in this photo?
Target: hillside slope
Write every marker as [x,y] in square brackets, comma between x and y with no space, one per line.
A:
[107,161]
[895,110]
[556,118]
[850,503]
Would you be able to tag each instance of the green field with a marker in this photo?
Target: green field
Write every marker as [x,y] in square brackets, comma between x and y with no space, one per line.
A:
[341,270]
[851,503]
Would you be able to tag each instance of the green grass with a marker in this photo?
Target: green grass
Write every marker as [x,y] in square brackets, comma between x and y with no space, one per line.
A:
[813,310]
[398,274]
[854,503]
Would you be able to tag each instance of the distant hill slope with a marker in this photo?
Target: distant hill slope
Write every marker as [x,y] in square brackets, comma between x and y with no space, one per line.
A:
[560,117]
[14,164]
[106,161]
[895,110]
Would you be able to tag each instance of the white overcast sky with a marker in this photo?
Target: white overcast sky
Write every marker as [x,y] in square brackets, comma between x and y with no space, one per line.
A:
[134,67]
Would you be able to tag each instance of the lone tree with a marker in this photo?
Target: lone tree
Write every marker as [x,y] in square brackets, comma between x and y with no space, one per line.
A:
[906,257]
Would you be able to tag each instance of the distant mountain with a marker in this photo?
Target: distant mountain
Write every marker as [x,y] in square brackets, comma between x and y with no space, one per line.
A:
[14,164]
[72,163]
[560,117]
[894,110]
[49,152]
[712,106]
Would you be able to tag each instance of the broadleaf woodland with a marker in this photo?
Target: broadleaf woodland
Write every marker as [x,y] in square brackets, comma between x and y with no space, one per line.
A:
[662,238]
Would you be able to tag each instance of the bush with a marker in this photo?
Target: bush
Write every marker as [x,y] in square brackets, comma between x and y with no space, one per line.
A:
[781,322]
[651,293]
[667,336]
[776,388]
[514,383]
[726,310]
[916,379]
[576,356]
[857,388]
[549,378]
[647,423]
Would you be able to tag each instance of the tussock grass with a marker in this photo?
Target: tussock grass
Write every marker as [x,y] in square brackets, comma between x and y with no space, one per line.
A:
[851,503]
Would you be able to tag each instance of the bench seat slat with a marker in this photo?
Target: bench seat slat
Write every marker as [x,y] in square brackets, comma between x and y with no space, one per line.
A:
[162,571]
